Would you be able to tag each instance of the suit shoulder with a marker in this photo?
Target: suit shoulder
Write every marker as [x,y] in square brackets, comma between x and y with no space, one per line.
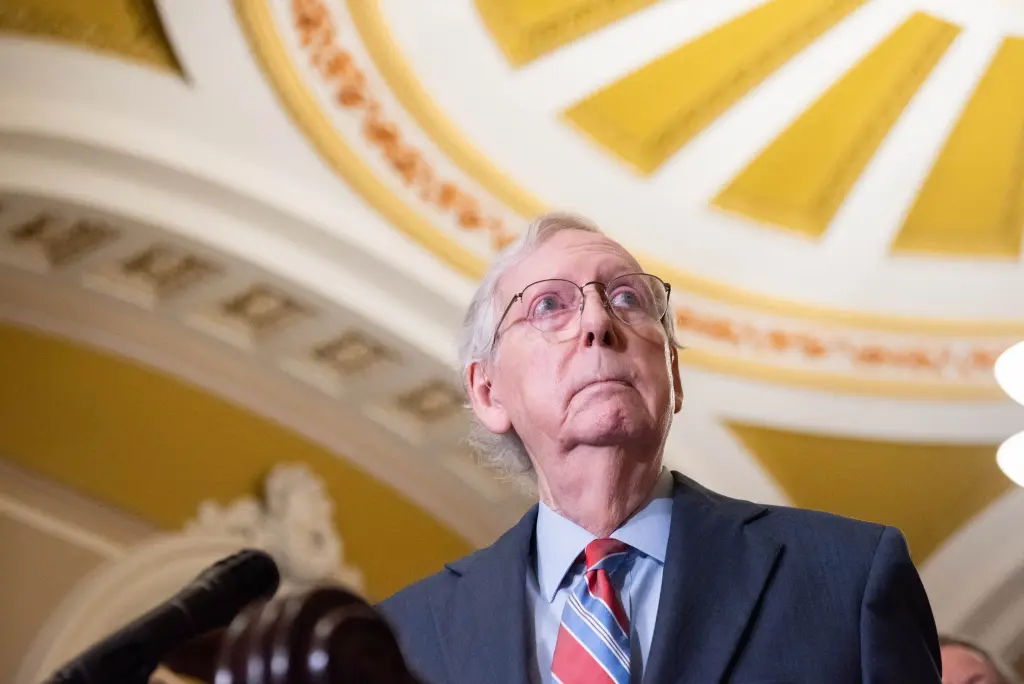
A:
[415,600]
[790,524]
[415,616]
[788,517]
[785,517]
[796,528]
[821,533]
[436,589]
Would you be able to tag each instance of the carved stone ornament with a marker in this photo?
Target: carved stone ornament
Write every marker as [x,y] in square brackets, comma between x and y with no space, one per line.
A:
[294,523]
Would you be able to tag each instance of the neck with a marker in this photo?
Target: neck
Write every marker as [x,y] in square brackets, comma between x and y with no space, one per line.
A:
[598,488]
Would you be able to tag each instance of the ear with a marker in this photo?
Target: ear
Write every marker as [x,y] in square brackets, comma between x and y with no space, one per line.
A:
[677,381]
[486,406]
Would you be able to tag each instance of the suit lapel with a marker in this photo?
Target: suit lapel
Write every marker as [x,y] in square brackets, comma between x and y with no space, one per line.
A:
[485,623]
[716,570]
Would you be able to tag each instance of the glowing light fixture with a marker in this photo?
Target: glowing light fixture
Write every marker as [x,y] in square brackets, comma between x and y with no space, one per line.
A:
[1010,458]
[1009,371]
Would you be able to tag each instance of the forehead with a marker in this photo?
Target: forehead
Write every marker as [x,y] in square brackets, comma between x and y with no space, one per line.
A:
[574,255]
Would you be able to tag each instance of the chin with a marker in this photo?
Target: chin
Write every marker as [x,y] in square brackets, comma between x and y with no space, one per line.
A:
[611,427]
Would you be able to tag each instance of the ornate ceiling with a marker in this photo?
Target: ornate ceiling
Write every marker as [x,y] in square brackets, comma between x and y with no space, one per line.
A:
[285,204]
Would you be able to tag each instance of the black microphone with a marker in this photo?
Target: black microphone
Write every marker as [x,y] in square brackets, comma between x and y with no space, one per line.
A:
[209,602]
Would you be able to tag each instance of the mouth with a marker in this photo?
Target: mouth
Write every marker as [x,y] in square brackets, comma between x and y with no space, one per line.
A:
[604,382]
[598,389]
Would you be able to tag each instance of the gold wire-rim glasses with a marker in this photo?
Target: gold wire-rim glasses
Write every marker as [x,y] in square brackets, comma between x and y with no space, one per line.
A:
[656,309]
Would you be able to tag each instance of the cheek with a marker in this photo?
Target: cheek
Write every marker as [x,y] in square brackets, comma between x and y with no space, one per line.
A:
[657,376]
[542,381]
[533,379]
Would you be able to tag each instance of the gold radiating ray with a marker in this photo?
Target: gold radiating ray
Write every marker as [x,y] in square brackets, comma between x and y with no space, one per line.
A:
[972,203]
[882,481]
[647,116]
[131,29]
[802,178]
[528,29]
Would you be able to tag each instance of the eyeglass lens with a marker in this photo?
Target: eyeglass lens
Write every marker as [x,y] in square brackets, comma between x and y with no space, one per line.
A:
[554,304]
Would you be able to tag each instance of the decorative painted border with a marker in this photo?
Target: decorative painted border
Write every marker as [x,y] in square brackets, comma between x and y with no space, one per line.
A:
[380,136]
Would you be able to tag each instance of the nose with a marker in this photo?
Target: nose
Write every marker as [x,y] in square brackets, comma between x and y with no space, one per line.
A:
[598,326]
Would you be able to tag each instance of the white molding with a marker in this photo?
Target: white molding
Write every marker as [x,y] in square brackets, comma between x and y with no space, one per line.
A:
[379,290]
[60,528]
[89,319]
[293,521]
[972,565]
[50,506]
[224,129]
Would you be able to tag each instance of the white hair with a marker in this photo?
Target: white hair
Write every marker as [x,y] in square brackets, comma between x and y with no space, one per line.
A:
[506,451]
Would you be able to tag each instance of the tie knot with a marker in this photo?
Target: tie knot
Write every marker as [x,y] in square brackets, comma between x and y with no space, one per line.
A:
[605,554]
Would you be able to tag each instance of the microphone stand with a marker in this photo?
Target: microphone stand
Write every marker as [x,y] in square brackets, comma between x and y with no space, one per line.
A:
[213,599]
[197,658]
[326,635]
[142,677]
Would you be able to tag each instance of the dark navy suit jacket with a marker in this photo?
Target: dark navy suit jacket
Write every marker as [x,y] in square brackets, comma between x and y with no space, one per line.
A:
[751,594]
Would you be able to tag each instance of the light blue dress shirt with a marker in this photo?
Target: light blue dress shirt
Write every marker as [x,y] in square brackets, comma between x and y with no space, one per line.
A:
[559,543]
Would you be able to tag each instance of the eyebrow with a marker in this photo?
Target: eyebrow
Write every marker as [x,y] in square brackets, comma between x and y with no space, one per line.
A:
[601,274]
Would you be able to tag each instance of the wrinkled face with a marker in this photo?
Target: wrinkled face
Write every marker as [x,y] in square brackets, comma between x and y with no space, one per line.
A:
[961,666]
[599,382]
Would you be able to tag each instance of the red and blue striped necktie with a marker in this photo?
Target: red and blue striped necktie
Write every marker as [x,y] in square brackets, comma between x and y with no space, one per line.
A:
[593,638]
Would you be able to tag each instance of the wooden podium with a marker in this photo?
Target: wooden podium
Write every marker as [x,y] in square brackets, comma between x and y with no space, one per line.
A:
[323,636]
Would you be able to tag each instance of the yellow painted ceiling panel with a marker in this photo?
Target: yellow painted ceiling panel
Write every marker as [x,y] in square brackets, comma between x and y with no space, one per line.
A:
[647,116]
[802,178]
[130,28]
[972,203]
[156,447]
[528,29]
[926,490]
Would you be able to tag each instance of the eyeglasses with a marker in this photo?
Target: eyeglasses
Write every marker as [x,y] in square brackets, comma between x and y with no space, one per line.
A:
[555,304]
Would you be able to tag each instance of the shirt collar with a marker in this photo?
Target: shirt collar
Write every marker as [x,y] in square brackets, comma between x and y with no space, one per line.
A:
[560,541]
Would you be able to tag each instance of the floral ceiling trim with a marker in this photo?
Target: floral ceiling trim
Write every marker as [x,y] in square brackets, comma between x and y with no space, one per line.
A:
[337,67]
[918,358]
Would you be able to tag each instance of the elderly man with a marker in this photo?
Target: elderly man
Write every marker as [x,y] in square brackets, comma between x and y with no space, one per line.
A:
[625,571]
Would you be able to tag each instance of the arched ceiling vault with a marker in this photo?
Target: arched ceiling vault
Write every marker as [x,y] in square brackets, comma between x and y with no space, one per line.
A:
[157,448]
[283,224]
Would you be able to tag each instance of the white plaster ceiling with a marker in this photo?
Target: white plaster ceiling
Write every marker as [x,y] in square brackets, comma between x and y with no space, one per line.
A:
[513,115]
